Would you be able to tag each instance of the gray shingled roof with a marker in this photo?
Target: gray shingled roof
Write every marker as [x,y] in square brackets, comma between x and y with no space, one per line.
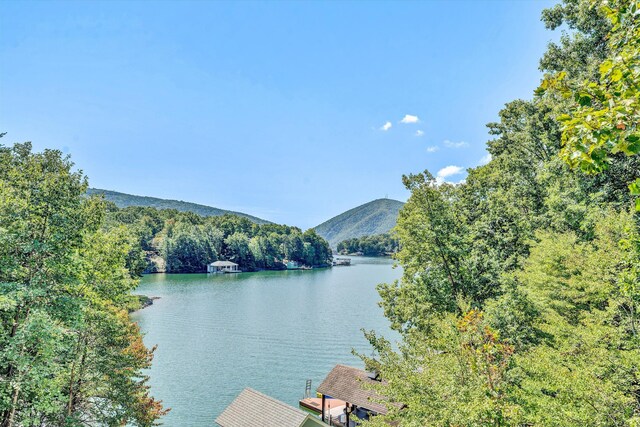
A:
[223,264]
[254,409]
[346,383]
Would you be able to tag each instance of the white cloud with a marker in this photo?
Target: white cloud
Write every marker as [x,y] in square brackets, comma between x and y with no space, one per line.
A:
[408,118]
[448,171]
[485,159]
[432,149]
[385,127]
[452,144]
[419,132]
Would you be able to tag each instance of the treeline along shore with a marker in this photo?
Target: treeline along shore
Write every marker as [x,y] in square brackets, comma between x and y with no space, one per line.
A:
[376,245]
[171,241]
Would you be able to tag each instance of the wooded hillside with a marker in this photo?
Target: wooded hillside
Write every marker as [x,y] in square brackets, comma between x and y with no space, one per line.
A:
[376,217]
[123,200]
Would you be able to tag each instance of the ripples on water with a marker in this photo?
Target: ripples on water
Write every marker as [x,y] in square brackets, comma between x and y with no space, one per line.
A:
[270,331]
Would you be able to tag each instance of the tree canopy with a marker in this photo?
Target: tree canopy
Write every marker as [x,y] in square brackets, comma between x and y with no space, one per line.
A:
[601,116]
[184,242]
[375,245]
[519,299]
[69,355]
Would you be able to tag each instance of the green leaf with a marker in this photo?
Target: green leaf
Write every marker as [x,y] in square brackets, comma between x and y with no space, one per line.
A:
[584,99]
[598,155]
[606,66]
[634,147]
[616,75]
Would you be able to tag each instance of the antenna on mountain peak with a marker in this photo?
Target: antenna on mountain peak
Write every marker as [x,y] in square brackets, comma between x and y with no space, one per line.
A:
[386,196]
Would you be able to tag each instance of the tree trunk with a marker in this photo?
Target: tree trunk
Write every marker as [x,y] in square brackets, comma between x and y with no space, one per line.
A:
[10,415]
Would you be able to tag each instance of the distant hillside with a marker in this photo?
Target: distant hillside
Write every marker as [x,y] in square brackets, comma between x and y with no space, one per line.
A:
[375,217]
[122,200]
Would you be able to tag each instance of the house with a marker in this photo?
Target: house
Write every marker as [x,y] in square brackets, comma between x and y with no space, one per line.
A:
[223,267]
[254,409]
[348,384]
[292,265]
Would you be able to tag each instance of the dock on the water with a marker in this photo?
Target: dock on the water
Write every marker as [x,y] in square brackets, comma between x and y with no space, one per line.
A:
[334,408]
[341,261]
[314,404]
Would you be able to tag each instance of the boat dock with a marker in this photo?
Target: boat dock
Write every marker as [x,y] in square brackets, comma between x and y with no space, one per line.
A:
[333,408]
[341,261]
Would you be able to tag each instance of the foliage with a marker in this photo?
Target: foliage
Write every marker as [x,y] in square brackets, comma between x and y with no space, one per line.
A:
[184,242]
[457,375]
[603,115]
[583,368]
[69,355]
[437,255]
[519,299]
[376,245]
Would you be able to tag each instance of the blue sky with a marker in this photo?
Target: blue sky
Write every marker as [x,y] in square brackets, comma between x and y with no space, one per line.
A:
[277,109]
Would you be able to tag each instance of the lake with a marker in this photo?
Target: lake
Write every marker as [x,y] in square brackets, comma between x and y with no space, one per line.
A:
[271,331]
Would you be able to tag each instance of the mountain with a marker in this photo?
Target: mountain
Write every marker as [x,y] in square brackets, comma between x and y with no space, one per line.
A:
[122,200]
[375,217]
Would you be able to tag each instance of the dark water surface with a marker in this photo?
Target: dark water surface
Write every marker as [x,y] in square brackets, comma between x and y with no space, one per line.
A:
[270,331]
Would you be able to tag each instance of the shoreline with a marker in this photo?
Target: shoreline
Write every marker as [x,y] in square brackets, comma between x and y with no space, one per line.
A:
[144,301]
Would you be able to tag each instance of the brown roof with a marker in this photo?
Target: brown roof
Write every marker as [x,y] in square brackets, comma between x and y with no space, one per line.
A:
[254,409]
[346,383]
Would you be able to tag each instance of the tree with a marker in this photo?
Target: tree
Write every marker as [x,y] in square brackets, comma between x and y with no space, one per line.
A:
[518,303]
[189,248]
[238,251]
[603,115]
[376,245]
[63,290]
[435,255]
[458,374]
[316,251]
[582,368]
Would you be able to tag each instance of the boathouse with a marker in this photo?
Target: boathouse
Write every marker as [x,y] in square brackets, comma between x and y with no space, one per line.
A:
[341,261]
[223,267]
[349,384]
[292,265]
[252,408]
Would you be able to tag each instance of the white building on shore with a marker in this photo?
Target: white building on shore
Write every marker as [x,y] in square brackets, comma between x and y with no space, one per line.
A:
[223,267]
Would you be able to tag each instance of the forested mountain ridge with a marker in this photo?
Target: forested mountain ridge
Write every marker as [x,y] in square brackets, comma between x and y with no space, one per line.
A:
[123,200]
[376,217]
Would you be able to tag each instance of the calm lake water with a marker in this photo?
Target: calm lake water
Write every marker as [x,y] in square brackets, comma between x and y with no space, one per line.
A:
[270,331]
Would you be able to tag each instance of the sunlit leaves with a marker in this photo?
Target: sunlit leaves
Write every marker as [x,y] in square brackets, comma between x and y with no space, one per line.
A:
[604,118]
[64,287]
[559,333]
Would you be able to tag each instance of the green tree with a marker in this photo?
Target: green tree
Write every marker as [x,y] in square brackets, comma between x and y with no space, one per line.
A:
[59,272]
[238,251]
[435,256]
[457,374]
[582,369]
[376,245]
[317,252]
[532,266]
[602,115]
